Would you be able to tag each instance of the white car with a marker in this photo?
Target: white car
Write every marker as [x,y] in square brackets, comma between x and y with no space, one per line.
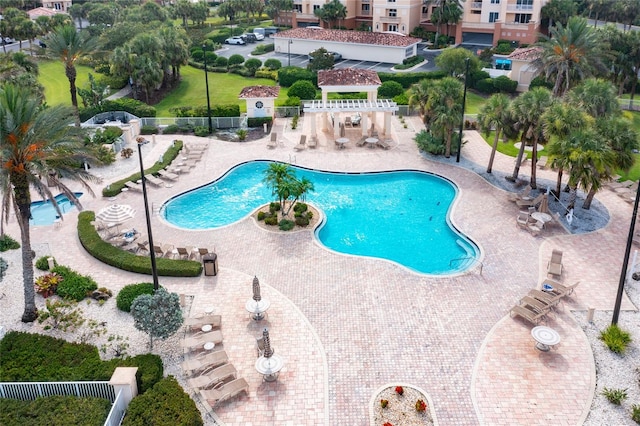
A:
[259,36]
[235,40]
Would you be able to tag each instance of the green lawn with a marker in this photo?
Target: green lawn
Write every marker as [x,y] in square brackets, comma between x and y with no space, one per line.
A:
[223,89]
[56,85]
[474,103]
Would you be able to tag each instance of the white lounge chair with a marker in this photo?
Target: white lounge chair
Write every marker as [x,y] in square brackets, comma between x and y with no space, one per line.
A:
[224,391]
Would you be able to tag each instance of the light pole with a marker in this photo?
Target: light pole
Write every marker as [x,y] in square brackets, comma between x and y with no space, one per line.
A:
[625,262]
[154,271]
[289,52]
[206,82]
[464,101]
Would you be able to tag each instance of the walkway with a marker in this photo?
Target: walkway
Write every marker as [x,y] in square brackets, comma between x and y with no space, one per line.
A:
[373,322]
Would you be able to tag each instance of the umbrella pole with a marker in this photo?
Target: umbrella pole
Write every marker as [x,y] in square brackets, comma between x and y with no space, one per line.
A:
[152,254]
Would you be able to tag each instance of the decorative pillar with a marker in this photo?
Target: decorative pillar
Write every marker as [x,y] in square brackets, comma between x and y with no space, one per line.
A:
[336,125]
[386,130]
[126,134]
[364,123]
[124,379]
[135,126]
[325,121]
[314,117]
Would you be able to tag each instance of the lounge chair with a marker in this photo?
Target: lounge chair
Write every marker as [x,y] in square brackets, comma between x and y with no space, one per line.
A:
[222,392]
[554,267]
[183,253]
[164,174]
[558,288]
[204,361]
[202,251]
[300,146]
[273,141]
[520,195]
[196,323]
[523,219]
[197,341]
[528,313]
[163,250]
[542,162]
[529,203]
[361,141]
[213,377]
[384,143]
[313,142]
[535,304]
[154,180]
[133,186]
[142,247]
[347,122]
[535,228]
[545,297]
[616,185]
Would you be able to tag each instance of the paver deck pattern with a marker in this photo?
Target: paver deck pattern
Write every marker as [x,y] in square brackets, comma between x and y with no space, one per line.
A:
[346,325]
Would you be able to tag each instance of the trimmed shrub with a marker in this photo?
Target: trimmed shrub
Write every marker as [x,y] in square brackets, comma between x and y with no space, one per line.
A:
[74,285]
[235,60]
[43,263]
[274,206]
[477,75]
[540,81]
[127,295]
[505,84]
[122,259]
[389,89]
[409,78]
[221,62]
[401,99]
[303,89]
[302,220]
[201,131]
[273,64]
[265,73]
[226,110]
[485,86]
[54,410]
[289,75]
[149,130]
[286,225]
[259,121]
[271,220]
[252,65]
[165,404]
[132,106]
[8,243]
[300,207]
[262,215]
[171,129]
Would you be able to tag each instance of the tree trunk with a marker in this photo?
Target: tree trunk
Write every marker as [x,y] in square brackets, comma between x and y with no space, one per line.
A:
[494,148]
[587,201]
[70,70]
[633,91]
[447,147]
[573,194]
[23,212]
[534,160]
[558,189]
[516,169]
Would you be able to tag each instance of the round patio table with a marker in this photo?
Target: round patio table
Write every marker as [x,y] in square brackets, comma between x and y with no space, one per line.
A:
[342,142]
[371,142]
[545,337]
[269,367]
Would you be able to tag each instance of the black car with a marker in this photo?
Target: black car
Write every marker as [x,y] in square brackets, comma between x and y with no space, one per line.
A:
[249,38]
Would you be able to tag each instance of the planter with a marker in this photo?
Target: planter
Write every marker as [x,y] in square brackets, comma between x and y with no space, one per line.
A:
[388,406]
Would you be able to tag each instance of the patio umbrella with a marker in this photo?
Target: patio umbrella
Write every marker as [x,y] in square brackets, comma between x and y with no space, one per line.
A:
[268,352]
[116,213]
[544,204]
[256,290]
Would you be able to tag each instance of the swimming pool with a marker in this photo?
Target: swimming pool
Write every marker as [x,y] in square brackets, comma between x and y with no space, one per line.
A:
[401,216]
[43,212]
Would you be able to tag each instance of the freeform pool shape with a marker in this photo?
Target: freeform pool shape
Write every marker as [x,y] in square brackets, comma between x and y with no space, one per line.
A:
[401,216]
[43,212]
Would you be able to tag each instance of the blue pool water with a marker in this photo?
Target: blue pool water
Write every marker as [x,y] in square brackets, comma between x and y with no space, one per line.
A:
[400,216]
[43,212]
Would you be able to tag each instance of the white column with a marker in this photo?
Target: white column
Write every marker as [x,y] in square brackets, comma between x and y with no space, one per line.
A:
[135,127]
[124,378]
[364,123]
[126,134]
[387,124]
[314,117]
[325,121]
[336,125]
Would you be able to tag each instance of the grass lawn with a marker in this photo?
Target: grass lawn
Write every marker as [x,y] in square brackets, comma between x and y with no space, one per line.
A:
[474,103]
[56,85]
[223,89]
[507,148]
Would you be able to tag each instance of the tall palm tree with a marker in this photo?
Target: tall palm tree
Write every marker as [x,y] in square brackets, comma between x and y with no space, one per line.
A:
[495,114]
[68,45]
[527,110]
[419,96]
[36,144]
[572,53]
[276,176]
[596,96]
[331,12]
[445,108]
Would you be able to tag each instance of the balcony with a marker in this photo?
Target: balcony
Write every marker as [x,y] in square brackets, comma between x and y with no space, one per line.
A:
[476,5]
[364,13]
[467,26]
[390,19]
[519,8]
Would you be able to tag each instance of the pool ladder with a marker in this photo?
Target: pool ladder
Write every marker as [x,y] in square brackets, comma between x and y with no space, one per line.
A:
[292,159]
[467,258]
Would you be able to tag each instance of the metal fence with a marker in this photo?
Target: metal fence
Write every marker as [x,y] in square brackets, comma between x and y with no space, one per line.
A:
[117,412]
[217,122]
[27,391]
[289,111]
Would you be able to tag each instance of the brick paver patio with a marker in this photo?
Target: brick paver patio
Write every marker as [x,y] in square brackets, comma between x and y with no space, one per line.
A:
[347,325]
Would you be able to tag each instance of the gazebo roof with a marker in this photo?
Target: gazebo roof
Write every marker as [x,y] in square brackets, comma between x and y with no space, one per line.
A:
[348,77]
[252,92]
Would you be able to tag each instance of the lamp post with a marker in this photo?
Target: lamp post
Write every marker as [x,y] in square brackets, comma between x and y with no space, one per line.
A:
[206,82]
[625,262]
[289,52]
[154,271]
[464,101]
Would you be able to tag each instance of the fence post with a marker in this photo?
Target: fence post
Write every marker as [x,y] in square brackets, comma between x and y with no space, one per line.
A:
[124,379]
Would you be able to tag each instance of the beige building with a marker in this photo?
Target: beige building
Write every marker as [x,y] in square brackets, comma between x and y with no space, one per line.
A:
[483,22]
[57,5]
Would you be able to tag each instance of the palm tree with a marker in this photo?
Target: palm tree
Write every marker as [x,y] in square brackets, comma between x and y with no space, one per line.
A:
[36,143]
[445,108]
[596,96]
[68,45]
[527,110]
[495,114]
[572,53]
[419,96]
[331,12]
[276,176]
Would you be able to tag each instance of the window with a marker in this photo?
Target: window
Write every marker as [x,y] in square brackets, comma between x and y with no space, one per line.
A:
[524,2]
[476,12]
[392,13]
[493,16]
[316,7]
[391,1]
[297,8]
[495,1]
[365,8]
[392,27]
[522,18]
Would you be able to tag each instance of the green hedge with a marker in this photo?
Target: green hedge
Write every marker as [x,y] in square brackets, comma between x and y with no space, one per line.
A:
[114,188]
[132,106]
[166,404]
[409,78]
[127,295]
[259,121]
[54,410]
[289,75]
[122,259]
[26,357]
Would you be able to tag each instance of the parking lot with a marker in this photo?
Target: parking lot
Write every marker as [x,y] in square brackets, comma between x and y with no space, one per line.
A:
[302,60]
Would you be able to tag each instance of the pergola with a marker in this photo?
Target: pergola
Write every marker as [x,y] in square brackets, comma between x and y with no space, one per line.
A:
[350,80]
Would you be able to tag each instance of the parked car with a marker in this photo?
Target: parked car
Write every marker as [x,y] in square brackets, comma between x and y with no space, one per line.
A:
[249,38]
[336,56]
[259,36]
[235,40]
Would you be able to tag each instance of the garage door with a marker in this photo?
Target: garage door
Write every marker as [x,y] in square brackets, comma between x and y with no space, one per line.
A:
[478,39]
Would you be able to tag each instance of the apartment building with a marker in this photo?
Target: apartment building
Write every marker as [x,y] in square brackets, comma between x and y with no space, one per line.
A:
[483,22]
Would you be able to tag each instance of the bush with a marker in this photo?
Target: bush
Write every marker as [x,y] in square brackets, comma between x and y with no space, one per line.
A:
[271,220]
[615,396]
[149,130]
[635,413]
[221,62]
[274,206]
[540,81]
[409,78]
[171,129]
[54,410]
[235,60]
[8,243]
[477,75]
[127,295]
[132,106]
[427,142]
[286,225]
[43,263]
[615,338]
[261,49]
[303,89]
[165,404]
[105,252]
[289,75]
[486,86]
[505,84]
[266,73]
[74,285]
[259,121]
[201,131]
[273,64]
[409,62]
[225,110]
[401,99]
[389,89]
[300,207]
[262,215]
[292,101]
[252,65]
[302,220]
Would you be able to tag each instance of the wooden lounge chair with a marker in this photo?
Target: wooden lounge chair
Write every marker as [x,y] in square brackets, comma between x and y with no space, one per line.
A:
[183,253]
[223,392]
[542,162]
[154,180]
[361,141]
[213,377]
[204,361]
[300,146]
[164,174]
[133,186]
[558,288]
[273,141]
[142,247]
[533,202]
[384,143]
[529,314]
[313,142]
[196,323]
[197,341]
[554,267]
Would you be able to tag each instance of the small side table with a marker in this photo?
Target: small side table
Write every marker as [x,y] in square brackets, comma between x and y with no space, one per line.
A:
[209,346]
[207,327]
[545,337]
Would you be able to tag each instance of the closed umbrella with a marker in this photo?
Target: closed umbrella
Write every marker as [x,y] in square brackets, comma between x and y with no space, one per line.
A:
[116,213]
[544,204]
[256,290]
[268,352]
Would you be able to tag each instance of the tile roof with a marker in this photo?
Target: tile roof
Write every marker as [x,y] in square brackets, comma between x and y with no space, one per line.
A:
[525,53]
[348,77]
[351,37]
[252,92]
[42,11]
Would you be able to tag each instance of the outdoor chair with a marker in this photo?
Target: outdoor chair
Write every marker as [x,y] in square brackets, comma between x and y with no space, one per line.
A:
[530,203]
[523,219]
[557,288]
[154,180]
[384,143]
[554,267]
[200,338]
[535,304]
[528,314]
[535,228]
[183,253]
[222,392]
[133,186]
[313,142]
[142,247]
[545,297]
[301,143]
[520,195]
[164,174]
[213,377]
[205,361]
[347,121]
[361,141]
[273,141]
[196,323]
[542,162]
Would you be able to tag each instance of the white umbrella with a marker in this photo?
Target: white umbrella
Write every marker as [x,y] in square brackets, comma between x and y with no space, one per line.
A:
[116,213]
